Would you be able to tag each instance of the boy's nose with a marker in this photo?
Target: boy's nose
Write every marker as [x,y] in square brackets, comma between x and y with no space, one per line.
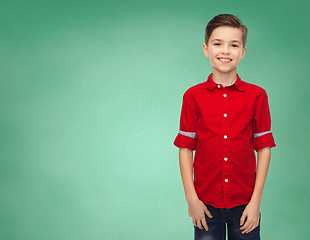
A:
[225,50]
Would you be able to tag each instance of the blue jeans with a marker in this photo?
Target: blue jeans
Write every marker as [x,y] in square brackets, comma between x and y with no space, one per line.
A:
[217,225]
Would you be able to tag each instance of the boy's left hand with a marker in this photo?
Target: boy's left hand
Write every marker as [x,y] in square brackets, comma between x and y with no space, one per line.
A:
[252,213]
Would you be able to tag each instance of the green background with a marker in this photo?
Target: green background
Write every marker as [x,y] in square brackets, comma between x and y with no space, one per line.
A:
[91,94]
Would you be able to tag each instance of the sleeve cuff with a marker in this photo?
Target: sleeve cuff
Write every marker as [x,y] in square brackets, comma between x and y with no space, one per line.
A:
[263,141]
[182,141]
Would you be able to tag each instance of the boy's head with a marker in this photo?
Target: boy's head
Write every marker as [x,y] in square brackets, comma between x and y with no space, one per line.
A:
[224,44]
[225,20]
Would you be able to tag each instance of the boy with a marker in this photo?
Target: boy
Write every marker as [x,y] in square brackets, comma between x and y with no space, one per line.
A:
[224,119]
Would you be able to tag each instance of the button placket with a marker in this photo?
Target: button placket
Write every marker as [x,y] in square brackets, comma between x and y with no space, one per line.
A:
[226,142]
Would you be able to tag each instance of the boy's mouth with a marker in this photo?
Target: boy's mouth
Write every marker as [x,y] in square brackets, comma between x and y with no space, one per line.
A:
[225,60]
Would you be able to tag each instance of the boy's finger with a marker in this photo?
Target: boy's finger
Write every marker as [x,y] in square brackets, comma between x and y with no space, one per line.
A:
[245,226]
[189,213]
[242,219]
[251,229]
[194,222]
[246,230]
[208,213]
[199,224]
[245,223]
[205,225]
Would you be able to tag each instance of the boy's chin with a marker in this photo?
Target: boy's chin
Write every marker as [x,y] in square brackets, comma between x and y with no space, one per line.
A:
[221,70]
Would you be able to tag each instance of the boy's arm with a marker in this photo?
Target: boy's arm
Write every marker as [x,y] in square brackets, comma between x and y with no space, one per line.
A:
[252,211]
[196,208]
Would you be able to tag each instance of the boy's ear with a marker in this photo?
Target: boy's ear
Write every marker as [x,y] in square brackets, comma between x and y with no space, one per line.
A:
[243,53]
[205,49]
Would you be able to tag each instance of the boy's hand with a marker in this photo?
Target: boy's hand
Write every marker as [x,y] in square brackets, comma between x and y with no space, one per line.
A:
[197,210]
[252,213]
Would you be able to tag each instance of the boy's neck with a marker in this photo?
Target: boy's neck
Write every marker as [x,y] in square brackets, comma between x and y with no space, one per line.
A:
[224,78]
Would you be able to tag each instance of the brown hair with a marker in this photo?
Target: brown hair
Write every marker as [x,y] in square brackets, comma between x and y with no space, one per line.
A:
[225,20]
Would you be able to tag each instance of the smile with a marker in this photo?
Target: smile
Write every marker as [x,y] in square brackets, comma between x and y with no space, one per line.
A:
[224,60]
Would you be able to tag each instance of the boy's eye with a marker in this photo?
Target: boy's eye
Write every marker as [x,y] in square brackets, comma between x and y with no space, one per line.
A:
[234,45]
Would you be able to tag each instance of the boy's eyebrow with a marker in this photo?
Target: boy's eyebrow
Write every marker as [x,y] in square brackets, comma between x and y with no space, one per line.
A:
[221,40]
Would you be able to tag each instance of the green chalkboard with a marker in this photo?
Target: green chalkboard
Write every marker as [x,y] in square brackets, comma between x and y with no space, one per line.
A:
[91,95]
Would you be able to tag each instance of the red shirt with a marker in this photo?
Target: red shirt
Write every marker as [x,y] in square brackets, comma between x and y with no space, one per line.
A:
[225,125]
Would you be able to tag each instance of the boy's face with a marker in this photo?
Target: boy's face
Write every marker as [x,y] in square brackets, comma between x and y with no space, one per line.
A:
[225,42]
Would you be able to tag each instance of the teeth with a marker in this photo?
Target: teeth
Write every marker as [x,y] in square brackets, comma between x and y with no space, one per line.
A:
[224,60]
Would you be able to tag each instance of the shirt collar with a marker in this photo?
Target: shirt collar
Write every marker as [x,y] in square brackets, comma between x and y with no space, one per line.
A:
[211,84]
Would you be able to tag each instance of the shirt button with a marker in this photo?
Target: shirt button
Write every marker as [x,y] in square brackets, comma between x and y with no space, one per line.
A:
[225,158]
[225,95]
[218,85]
[226,180]
[225,115]
[225,136]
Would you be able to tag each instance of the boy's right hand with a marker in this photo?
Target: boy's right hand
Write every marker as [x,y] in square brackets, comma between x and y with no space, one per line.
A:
[197,210]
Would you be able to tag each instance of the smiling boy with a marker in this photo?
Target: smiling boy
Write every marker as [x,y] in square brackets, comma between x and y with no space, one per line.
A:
[225,119]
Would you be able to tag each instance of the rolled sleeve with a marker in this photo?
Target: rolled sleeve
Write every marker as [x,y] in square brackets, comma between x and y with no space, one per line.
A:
[186,137]
[262,136]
